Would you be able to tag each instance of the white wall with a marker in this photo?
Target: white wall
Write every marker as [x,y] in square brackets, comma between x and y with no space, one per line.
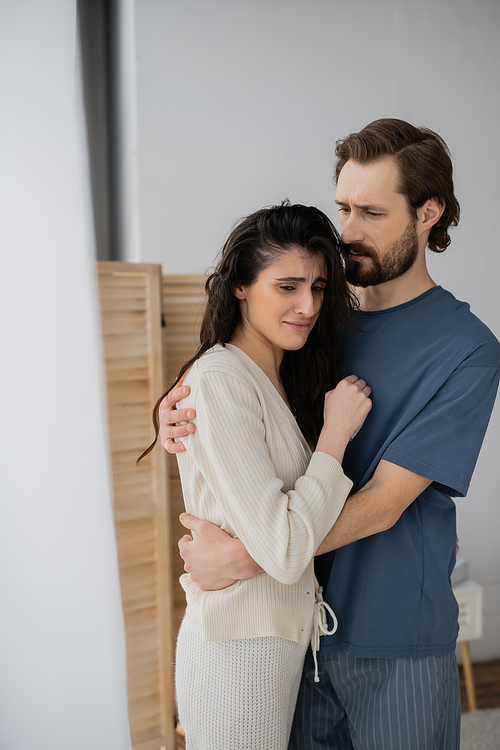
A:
[240,104]
[62,640]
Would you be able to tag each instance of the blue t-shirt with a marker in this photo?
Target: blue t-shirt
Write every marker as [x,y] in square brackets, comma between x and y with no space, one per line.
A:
[433,368]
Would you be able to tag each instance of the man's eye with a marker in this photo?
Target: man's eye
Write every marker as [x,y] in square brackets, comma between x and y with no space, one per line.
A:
[318,288]
[287,288]
[373,213]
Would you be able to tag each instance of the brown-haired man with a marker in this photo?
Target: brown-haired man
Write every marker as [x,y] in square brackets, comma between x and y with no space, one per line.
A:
[388,676]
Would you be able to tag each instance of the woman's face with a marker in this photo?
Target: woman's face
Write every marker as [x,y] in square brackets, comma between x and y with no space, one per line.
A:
[282,306]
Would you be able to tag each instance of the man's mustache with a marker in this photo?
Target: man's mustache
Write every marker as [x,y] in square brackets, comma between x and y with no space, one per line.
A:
[359,248]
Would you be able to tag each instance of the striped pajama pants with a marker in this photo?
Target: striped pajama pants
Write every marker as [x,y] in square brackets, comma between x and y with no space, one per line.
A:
[378,704]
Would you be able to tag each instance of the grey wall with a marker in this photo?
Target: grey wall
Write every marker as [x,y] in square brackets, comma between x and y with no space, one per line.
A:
[240,104]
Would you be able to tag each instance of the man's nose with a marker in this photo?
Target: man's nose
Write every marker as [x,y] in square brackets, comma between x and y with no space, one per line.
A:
[351,230]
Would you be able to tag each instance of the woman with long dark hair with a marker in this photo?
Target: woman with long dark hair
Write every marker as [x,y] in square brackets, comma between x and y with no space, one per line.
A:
[277,302]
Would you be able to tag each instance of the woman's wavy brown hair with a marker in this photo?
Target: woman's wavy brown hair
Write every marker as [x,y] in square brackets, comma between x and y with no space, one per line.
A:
[425,168]
[254,243]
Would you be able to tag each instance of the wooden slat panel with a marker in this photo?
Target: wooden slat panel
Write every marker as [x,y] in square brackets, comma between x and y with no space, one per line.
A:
[130,297]
[124,321]
[126,371]
[183,304]
[144,685]
[138,433]
[143,662]
[134,344]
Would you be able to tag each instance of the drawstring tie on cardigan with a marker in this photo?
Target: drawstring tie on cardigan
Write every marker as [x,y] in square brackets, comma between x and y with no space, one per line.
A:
[320,626]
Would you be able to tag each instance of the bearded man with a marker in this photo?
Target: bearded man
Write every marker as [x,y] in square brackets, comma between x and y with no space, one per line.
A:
[388,675]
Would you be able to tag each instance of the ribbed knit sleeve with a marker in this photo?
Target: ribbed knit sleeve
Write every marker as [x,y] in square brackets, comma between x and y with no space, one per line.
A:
[280,530]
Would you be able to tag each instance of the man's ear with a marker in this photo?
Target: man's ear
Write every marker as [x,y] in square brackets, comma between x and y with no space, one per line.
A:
[430,213]
[240,291]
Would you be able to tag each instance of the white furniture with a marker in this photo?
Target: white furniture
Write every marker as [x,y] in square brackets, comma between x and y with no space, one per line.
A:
[469,596]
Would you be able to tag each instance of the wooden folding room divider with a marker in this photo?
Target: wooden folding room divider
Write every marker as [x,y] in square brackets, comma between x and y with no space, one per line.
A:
[130,298]
[150,327]
[183,303]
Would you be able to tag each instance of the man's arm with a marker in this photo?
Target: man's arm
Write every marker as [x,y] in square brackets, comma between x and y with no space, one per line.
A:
[376,507]
[215,560]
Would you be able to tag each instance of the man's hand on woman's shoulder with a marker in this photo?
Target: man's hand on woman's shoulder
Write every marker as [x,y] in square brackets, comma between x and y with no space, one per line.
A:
[170,416]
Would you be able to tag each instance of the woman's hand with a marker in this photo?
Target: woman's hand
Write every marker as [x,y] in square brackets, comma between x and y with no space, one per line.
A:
[346,408]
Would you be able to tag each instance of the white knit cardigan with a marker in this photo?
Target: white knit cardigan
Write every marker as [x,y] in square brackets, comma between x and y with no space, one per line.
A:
[248,469]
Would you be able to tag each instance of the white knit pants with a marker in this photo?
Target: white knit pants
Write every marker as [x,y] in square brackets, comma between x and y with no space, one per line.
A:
[236,695]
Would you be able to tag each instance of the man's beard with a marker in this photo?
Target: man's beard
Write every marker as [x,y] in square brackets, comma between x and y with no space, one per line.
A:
[397,260]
